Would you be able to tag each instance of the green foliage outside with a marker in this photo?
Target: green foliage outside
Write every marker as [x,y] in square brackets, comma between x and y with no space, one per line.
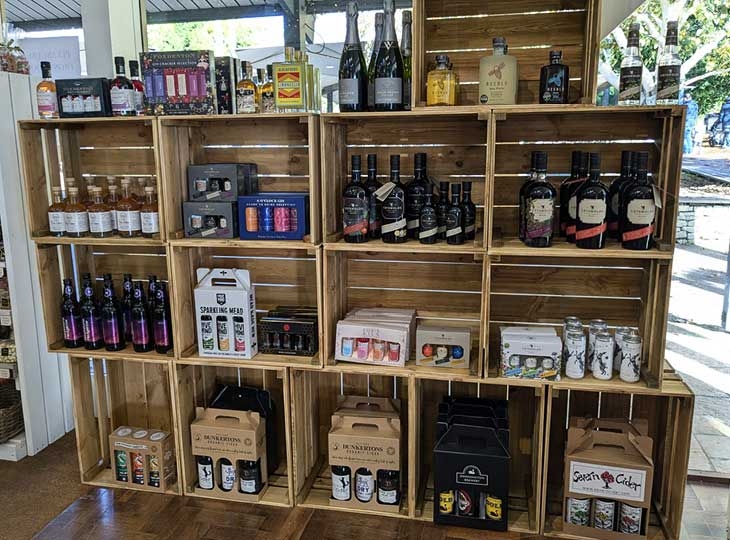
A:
[704,47]
[223,37]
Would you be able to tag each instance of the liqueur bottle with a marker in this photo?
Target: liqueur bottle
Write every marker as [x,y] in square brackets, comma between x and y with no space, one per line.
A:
[393,214]
[614,191]
[56,213]
[389,65]
[554,80]
[469,211]
[353,84]
[138,87]
[45,93]
[455,218]
[428,222]
[498,76]
[149,214]
[592,198]
[441,83]
[566,188]
[523,194]
[379,19]
[111,200]
[540,207]
[73,336]
[129,222]
[100,216]
[640,210]
[90,316]
[126,305]
[268,95]
[669,68]
[76,219]
[375,205]
[406,50]
[161,320]
[355,206]
[141,338]
[442,209]
[112,320]
[632,69]
[246,90]
[416,194]
[121,91]
[573,198]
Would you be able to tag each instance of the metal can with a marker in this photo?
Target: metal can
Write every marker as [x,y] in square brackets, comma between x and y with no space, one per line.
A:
[120,461]
[579,512]
[575,354]
[207,333]
[281,219]
[594,326]
[493,508]
[629,519]
[619,334]
[446,502]
[252,219]
[571,323]
[604,514]
[293,221]
[267,218]
[603,356]
[630,370]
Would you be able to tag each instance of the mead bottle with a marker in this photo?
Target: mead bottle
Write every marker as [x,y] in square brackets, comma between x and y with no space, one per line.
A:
[128,215]
[498,76]
[56,213]
[149,214]
[100,216]
[76,218]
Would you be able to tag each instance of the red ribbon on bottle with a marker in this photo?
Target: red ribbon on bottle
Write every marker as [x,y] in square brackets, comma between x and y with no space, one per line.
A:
[570,230]
[361,227]
[590,233]
[638,233]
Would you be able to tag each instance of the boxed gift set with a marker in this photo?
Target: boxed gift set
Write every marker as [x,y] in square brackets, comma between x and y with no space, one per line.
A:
[179,82]
[83,98]
[376,336]
[530,353]
[225,313]
[226,78]
[143,458]
[608,479]
[364,446]
[289,331]
[222,181]
[210,219]
[471,463]
[443,346]
[230,450]
[274,216]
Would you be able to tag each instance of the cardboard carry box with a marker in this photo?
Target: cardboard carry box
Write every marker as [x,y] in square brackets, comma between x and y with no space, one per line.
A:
[366,442]
[143,458]
[608,465]
[368,407]
[236,436]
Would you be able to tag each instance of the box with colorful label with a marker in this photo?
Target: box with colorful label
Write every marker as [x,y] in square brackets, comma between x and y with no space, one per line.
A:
[376,337]
[179,82]
[222,181]
[274,216]
[143,458]
[226,77]
[443,346]
[230,453]
[528,353]
[207,219]
[225,313]
[290,90]
[83,98]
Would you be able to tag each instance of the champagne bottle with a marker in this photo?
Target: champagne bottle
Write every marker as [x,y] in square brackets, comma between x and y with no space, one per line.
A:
[373,58]
[389,66]
[353,84]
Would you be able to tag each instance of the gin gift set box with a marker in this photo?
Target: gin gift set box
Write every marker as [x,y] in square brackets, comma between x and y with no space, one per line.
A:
[226,78]
[225,313]
[210,219]
[376,336]
[143,458]
[218,182]
[442,346]
[179,82]
[274,216]
[238,437]
[530,353]
[289,331]
[83,98]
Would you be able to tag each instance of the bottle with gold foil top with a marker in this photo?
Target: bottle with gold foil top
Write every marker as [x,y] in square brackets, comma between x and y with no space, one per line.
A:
[268,97]
[498,76]
[441,83]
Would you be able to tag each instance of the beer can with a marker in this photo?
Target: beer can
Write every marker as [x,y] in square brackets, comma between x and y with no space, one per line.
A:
[267,218]
[594,326]
[446,502]
[239,334]
[493,508]
[603,356]
[629,519]
[579,512]
[630,370]
[571,323]
[604,514]
[575,354]
[207,332]
[281,219]
[621,331]
[223,338]
[252,219]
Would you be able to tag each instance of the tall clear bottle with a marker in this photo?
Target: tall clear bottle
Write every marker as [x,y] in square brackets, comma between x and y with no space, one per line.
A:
[632,70]
[353,85]
[407,51]
[56,213]
[669,68]
[129,222]
[246,90]
[379,18]
[46,94]
[389,65]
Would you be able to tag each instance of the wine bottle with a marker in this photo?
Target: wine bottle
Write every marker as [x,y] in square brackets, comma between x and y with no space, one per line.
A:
[540,207]
[90,316]
[389,65]
[592,197]
[353,84]
[640,209]
[379,19]
[428,223]
[161,320]
[523,194]
[631,180]
[112,321]
[573,198]
[394,218]
[121,91]
[442,209]
[613,194]
[73,337]
[355,206]
[407,59]
[376,206]
[127,301]
[566,188]
[416,191]
[469,211]
[455,218]
[141,338]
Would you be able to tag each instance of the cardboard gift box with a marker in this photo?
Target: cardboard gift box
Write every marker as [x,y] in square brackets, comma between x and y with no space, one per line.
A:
[226,78]
[367,406]
[285,332]
[222,181]
[235,436]
[225,313]
[443,346]
[143,458]
[274,216]
[83,98]
[206,219]
[528,353]
[613,466]
[368,342]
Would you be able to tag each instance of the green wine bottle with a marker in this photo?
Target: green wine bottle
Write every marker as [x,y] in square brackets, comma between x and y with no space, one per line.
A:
[373,58]
[353,84]
[389,66]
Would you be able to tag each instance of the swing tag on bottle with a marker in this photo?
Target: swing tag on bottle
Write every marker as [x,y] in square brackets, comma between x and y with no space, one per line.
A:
[384,190]
[657,196]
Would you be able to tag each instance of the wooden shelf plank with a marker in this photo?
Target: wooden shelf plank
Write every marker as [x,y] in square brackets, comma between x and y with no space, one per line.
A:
[261,360]
[412,246]
[106,480]
[125,354]
[92,241]
[222,118]
[50,124]
[243,244]
[514,247]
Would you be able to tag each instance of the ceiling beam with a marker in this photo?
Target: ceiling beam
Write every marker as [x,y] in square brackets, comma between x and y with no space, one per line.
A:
[213,14]
[288,5]
[50,24]
[332,6]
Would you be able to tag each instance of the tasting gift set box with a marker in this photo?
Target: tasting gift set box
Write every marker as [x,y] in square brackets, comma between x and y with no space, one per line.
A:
[143,458]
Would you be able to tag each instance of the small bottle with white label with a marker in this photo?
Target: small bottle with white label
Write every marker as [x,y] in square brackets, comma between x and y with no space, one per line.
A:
[228,475]
[149,214]
[205,472]
[100,215]
[388,487]
[111,200]
[341,483]
[250,475]
[76,219]
[129,222]
[56,212]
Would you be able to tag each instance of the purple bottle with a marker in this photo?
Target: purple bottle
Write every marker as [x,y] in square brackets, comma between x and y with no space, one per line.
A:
[127,307]
[112,321]
[71,317]
[90,316]
[161,320]
[141,335]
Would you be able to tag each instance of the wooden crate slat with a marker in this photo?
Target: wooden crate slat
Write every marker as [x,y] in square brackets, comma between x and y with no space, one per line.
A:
[448,8]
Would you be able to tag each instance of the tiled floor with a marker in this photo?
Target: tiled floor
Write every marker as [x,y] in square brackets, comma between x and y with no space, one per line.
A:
[705,511]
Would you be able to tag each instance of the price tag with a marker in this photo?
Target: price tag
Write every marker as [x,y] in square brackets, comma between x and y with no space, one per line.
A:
[657,197]
[384,190]
[5,318]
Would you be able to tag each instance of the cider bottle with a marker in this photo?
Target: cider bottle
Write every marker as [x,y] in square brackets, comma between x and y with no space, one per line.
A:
[128,217]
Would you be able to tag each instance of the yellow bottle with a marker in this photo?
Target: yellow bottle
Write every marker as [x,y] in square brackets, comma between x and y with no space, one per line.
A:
[441,84]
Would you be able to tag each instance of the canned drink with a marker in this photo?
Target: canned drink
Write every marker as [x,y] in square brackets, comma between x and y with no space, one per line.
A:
[378,350]
[619,334]
[630,370]
[571,322]
[239,334]
[603,356]
[629,519]
[223,339]
[604,514]
[575,354]
[579,512]
[493,508]
[293,220]
[252,219]
[267,218]
[594,326]
[281,219]
[207,333]
[446,502]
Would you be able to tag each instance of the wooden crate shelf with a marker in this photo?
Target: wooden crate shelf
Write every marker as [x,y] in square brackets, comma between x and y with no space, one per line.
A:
[195,384]
[59,261]
[314,399]
[527,418]
[113,392]
[285,147]
[282,277]
[90,148]
[464,30]
[623,292]
[444,289]
[378,246]
[669,417]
